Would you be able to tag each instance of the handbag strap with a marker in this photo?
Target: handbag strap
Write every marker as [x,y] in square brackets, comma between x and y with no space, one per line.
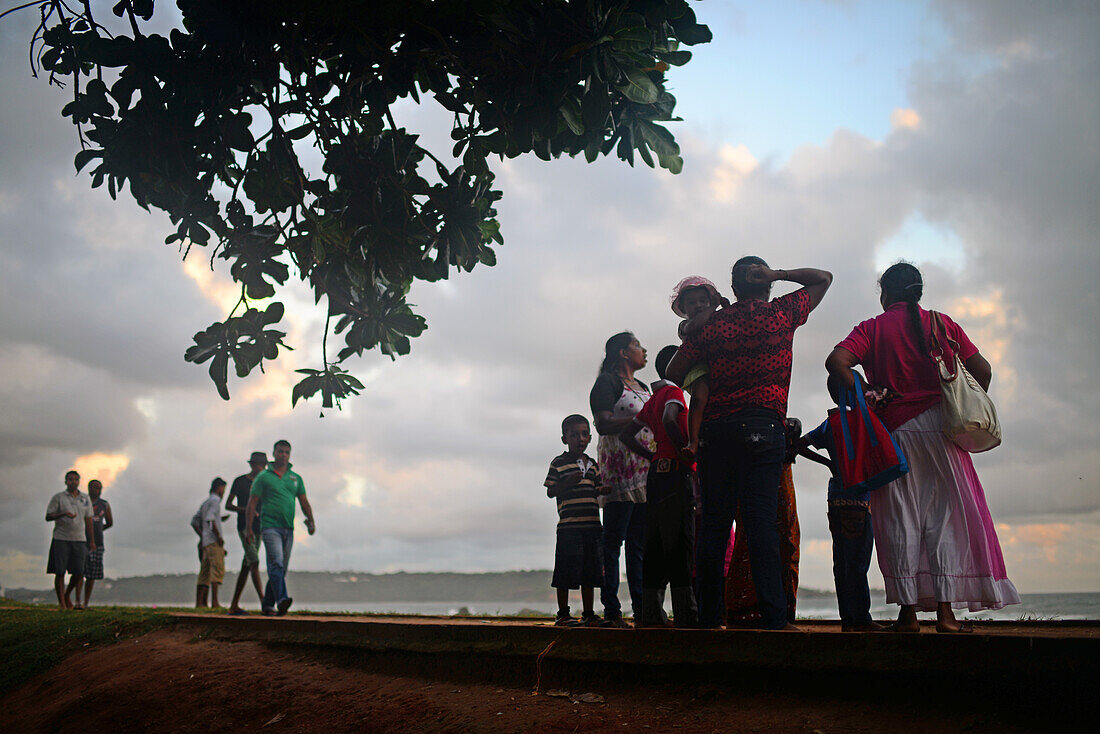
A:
[939,339]
[860,404]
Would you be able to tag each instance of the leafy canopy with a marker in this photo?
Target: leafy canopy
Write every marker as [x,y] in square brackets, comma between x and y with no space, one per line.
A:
[212,124]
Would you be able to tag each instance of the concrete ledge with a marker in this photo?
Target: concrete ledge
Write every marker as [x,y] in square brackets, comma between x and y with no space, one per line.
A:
[1034,657]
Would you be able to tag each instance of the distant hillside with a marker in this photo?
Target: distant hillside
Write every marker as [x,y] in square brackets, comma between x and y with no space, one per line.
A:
[353,587]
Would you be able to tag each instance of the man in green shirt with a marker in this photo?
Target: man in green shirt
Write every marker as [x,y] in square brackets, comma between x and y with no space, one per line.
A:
[277,487]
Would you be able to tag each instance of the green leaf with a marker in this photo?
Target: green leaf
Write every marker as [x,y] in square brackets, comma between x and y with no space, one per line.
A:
[639,87]
[571,113]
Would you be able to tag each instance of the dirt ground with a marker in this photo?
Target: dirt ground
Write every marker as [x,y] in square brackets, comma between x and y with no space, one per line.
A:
[175,681]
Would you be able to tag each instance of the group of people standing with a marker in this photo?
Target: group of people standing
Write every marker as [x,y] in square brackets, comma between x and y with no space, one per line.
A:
[671,480]
[264,500]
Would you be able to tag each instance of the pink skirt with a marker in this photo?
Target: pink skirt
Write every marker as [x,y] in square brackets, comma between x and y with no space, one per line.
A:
[935,538]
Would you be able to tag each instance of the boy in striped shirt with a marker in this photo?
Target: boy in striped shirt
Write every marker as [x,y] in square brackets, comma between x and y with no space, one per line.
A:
[574,483]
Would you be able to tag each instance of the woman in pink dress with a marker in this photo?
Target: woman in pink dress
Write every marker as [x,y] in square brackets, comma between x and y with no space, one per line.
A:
[937,546]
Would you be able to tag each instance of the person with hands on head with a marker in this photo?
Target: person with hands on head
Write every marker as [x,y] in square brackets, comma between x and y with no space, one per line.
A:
[936,541]
[616,398]
[277,487]
[670,503]
[73,536]
[573,482]
[742,445]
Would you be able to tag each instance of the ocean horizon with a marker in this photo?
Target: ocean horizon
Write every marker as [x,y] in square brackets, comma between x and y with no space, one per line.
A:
[1032,607]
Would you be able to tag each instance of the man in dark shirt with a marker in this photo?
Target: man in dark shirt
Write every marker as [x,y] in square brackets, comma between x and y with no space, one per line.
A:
[747,349]
[238,502]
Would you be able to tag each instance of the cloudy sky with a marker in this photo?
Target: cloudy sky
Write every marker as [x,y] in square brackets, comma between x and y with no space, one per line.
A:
[963,136]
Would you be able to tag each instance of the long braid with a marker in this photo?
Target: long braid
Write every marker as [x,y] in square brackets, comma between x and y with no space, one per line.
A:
[915,324]
[902,282]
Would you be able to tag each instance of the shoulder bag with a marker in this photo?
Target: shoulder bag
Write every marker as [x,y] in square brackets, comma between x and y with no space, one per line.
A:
[969,417]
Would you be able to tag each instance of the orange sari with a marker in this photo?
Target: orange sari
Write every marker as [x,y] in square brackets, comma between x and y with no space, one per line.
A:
[740,591]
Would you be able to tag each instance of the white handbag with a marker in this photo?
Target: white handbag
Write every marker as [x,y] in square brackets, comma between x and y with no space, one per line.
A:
[969,417]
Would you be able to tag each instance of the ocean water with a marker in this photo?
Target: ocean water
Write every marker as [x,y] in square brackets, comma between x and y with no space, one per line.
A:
[1042,607]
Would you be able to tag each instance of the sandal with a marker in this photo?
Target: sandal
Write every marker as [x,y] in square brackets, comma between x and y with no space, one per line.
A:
[965,628]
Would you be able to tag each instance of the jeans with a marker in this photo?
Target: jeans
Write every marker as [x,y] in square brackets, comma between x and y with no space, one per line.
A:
[853,540]
[740,463]
[277,545]
[622,521]
[669,542]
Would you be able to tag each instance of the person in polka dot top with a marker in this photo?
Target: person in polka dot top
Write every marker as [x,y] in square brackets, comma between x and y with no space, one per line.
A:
[747,349]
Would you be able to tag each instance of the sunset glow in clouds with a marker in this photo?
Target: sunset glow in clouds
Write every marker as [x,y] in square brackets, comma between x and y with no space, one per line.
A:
[963,136]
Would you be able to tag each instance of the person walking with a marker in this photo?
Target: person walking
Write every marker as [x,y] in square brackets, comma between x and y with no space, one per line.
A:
[747,349]
[277,487]
[615,399]
[239,495]
[73,536]
[937,545]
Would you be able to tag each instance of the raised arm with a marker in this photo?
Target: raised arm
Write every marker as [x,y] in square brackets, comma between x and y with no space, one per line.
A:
[815,281]
[678,368]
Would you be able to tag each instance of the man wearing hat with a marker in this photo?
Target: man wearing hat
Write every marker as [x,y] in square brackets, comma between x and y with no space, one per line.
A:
[238,502]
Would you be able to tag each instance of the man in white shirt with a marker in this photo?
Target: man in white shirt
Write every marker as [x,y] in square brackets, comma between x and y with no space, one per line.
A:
[212,571]
[71,513]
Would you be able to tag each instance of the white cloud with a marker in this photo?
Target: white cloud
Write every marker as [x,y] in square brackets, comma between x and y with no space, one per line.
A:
[439,465]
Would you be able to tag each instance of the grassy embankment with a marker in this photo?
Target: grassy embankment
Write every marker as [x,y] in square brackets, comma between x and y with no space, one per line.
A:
[35,638]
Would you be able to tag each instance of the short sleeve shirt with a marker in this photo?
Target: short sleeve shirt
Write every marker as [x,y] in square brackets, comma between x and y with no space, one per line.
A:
[65,527]
[652,416]
[241,491]
[747,349]
[578,506]
[278,495]
[211,514]
[887,348]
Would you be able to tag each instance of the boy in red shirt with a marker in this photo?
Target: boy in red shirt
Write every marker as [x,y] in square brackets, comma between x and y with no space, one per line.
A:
[670,519]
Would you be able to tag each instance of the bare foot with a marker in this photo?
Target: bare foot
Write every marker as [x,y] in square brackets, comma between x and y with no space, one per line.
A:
[956,628]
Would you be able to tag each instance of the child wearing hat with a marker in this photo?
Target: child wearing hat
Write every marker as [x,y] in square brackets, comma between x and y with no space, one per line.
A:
[695,299]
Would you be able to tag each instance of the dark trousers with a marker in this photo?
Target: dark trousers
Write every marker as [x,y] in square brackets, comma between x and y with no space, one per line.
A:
[670,537]
[853,540]
[740,462]
[623,523]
